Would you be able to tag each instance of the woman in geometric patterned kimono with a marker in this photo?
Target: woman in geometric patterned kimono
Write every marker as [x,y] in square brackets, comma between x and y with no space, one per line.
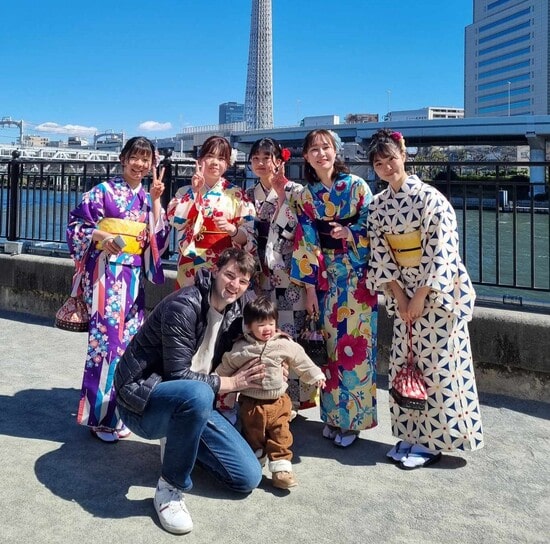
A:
[330,260]
[415,261]
[275,228]
[211,214]
[112,279]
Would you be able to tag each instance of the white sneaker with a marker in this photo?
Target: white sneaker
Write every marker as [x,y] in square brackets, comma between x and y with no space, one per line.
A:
[171,509]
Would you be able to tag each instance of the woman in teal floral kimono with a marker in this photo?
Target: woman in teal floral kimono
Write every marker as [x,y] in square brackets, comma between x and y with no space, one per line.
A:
[329,259]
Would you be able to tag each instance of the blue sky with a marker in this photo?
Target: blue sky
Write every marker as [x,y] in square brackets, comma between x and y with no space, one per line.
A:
[154,67]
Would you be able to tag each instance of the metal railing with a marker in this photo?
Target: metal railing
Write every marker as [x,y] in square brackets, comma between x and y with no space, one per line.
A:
[502,216]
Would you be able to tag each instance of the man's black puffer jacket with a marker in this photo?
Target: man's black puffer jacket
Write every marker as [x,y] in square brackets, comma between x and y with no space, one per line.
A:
[164,346]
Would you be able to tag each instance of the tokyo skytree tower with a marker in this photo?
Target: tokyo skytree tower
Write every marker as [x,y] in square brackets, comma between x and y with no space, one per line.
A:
[258,103]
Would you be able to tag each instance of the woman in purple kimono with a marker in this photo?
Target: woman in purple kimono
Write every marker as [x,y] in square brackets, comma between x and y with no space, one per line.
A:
[116,236]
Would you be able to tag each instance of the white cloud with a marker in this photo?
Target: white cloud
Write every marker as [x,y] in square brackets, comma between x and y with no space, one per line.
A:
[54,128]
[151,126]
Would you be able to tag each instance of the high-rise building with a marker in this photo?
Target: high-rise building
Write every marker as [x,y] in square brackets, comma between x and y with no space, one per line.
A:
[506,59]
[258,104]
[231,112]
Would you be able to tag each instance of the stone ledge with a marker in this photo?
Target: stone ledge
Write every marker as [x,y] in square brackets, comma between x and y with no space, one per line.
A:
[511,348]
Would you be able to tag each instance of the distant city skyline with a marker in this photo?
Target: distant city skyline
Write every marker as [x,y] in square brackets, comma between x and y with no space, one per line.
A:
[172,67]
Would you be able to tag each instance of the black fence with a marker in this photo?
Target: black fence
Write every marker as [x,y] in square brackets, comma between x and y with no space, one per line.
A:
[502,214]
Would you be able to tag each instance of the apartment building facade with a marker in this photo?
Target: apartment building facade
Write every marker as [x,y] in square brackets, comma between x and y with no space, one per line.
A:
[506,59]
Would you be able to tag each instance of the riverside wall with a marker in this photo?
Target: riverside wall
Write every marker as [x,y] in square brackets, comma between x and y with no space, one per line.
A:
[511,348]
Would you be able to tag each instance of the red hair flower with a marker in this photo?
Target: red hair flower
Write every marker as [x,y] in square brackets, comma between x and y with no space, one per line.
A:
[285,154]
[396,136]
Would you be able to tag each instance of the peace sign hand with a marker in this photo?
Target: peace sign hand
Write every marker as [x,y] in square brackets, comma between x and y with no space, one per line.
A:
[197,181]
[279,180]
[157,188]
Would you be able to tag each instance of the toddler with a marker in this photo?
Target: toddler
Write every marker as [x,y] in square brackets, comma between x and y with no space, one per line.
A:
[265,410]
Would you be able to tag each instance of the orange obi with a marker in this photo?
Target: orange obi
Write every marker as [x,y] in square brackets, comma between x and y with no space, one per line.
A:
[209,237]
[133,232]
[406,248]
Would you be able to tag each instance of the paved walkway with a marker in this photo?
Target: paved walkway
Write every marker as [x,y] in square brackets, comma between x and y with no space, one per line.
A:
[61,485]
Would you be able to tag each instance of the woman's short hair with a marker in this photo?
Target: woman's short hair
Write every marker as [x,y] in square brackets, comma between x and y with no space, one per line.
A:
[138,145]
[216,145]
[266,145]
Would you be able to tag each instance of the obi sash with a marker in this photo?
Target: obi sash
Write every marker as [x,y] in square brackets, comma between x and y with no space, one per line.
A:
[326,240]
[209,237]
[134,233]
[406,248]
[262,233]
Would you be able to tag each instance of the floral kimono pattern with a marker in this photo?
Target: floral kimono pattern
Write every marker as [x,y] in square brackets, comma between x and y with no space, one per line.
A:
[199,240]
[113,287]
[349,310]
[275,231]
[441,343]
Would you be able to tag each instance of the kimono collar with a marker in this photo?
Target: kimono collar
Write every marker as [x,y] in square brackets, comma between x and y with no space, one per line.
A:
[408,186]
[122,181]
[341,182]
[218,183]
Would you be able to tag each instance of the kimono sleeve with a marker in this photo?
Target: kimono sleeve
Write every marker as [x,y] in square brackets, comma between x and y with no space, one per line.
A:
[244,219]
[307,264]
[361,197]
[183,209]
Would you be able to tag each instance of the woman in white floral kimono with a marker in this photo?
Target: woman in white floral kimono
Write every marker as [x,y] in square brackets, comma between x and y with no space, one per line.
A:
[415,261]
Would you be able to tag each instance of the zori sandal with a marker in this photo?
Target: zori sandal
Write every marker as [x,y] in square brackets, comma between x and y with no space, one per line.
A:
[399,451]
[419,460]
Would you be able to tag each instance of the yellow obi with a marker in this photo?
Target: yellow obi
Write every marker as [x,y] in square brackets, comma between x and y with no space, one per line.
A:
[406,247]
[133,232]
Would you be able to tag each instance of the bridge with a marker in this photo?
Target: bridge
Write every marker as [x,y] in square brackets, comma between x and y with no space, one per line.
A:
[58,153]
[531,130]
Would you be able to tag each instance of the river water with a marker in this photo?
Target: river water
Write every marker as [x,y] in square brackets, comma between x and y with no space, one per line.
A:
[486,234]
[517,270]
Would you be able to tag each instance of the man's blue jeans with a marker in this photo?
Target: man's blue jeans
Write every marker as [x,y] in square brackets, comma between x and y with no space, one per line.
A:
[183,412]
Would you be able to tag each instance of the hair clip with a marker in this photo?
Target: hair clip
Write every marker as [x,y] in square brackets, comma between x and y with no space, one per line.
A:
[285,154]
[396,136]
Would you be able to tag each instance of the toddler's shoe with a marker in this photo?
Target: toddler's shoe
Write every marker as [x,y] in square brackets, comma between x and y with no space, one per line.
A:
[283,479]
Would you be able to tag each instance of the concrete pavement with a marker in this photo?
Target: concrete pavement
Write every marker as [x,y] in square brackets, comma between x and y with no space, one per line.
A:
[59,484]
